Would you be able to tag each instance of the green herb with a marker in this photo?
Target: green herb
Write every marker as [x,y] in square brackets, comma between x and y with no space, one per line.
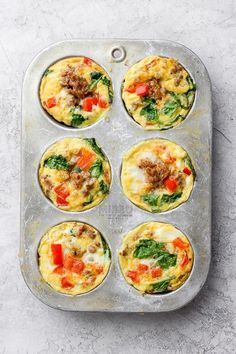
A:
[104,187]
[96,169]
[48,71]
[150,110]
[170,198]
[170,108]
[147,248]
[190,165]
[105,247]
[88,201]
[166,260]
[107,82]
[192,85]
[161,286]
[57,162]
[95,147]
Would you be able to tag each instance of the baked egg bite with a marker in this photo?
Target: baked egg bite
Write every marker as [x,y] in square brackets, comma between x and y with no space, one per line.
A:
[76,91]
[158,92]
[156,258]
[73,257]
[75,174]
[157,175]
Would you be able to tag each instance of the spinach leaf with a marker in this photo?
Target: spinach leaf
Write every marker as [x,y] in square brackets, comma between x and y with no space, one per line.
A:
[149,100]
[88,201]
[96,169]
[170,108]
[107,82]
[77,119]
[170,198]
[161,286]
[105,247]
[150,199]
[95,147]
[95,78]
[57,162]
[95,75]
[149,110]
[147,248]
[104,187]
[192,85]
[190,165]
[48,71]
[166,260]
[156,201]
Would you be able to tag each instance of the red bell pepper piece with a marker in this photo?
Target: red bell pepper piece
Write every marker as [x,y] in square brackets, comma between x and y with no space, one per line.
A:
[131,88]
[88,104]
[133,275]
[62,193]
[184,261]
[59,270]
[102,103]
[68,262]
[57,254]
[171,184]
[142,90]
[156,272]
[187,171]
[142,267]
[178,242]
[78,266]
[87,61]
[66,283]
[86,159]
[51,102]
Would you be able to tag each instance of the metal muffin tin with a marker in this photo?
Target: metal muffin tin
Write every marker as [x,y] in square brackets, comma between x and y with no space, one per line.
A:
[116,215]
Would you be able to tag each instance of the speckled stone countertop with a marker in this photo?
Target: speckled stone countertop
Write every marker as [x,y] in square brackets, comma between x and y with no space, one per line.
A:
[207,324]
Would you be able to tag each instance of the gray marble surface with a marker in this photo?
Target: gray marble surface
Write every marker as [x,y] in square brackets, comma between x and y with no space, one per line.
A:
[207,325]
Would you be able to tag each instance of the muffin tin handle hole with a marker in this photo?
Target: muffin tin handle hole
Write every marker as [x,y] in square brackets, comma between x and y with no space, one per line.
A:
[118,54]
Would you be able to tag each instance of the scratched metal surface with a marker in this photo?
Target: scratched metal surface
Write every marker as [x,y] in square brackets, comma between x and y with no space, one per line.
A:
[116,215]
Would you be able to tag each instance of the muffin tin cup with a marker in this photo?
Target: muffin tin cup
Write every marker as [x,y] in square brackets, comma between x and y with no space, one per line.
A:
[116,215]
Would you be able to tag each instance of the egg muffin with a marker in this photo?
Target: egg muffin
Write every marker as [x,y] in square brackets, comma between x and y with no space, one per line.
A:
[157,175]
[158,92]
[74,258]
[76,91]
[156,258]
[75,174]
